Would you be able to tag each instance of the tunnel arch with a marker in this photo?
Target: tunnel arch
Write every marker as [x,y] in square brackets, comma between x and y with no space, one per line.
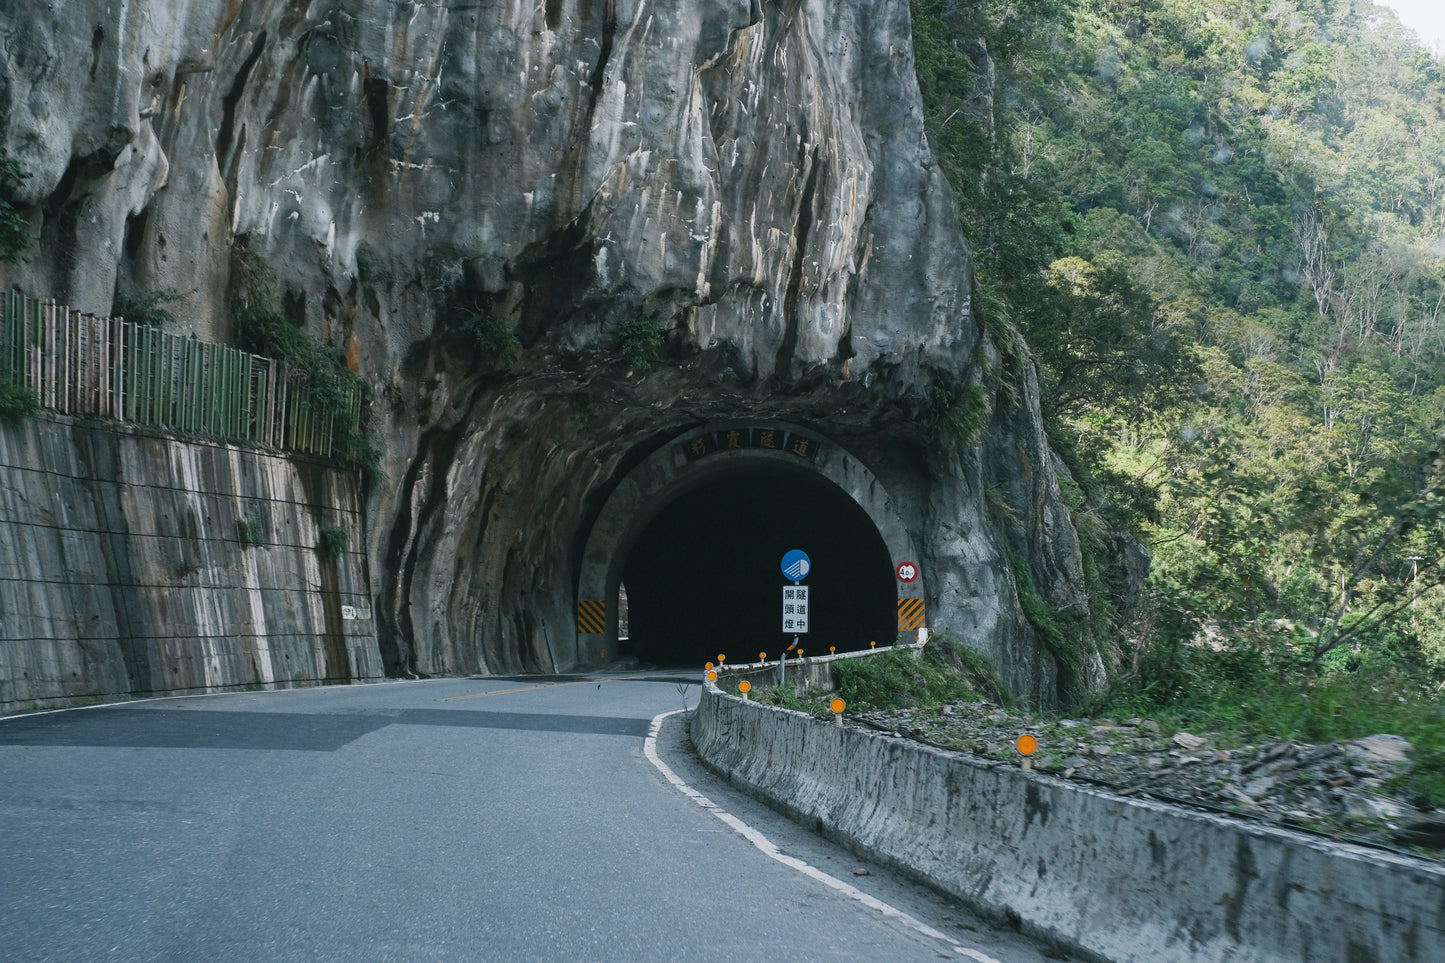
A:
[680,483]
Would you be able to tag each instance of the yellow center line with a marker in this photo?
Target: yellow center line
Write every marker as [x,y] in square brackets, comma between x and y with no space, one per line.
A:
[524,688]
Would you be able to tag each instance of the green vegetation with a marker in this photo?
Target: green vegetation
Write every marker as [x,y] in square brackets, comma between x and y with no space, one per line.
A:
[149,309]
[904,678]
[329,385]
[491,337]
[962,412]
[17,401]
[638,340]
[1245,695]
[977,674]
[333,542]
[1217,225]
[787,697]
[250,532]
[945,671]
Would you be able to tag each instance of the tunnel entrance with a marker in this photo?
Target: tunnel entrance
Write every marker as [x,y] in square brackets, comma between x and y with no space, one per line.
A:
[692,536]
[703,576]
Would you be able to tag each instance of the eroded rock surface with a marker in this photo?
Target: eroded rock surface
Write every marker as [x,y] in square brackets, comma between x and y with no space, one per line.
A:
[753,176]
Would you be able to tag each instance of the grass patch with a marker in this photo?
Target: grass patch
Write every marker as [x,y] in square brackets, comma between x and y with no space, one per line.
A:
[1333,708]
[786,697]
[961,412]
[902,679]
[945,671]
[979,674]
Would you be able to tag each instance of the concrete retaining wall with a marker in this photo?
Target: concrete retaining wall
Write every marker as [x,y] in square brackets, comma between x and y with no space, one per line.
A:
[135,564]
[1125,880]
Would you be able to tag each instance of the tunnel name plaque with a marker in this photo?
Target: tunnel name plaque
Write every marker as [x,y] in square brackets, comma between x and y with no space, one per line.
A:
[755,439]
[795,609]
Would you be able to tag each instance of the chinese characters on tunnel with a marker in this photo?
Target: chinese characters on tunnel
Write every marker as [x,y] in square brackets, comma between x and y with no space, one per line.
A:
[795,608]
[739,439]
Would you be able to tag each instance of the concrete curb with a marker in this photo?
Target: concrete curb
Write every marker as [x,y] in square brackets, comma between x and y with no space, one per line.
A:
[1115,878]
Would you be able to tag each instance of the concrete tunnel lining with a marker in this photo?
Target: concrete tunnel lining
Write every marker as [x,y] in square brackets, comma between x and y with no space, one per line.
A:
[702,457]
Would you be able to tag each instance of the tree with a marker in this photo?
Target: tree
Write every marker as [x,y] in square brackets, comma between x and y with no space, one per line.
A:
[1376,554]
[1101,342]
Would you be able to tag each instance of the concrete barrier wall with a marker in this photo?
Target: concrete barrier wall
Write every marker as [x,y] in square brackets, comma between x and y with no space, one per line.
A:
[1117,878]
[136,564]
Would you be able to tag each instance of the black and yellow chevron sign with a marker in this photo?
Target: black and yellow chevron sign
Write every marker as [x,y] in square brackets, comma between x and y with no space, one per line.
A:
[591,617]
[910,614]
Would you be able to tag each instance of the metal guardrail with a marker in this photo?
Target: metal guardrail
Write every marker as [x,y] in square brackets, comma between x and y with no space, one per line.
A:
[81,364]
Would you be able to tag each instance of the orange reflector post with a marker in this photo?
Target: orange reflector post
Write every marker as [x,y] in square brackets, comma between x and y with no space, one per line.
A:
[1027,746]
[744,687]
[838,705]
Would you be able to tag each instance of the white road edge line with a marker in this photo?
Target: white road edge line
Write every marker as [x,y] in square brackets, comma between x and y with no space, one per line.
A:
[763,844]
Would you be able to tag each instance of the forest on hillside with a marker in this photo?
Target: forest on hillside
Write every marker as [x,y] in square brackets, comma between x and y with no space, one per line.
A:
[1219,225]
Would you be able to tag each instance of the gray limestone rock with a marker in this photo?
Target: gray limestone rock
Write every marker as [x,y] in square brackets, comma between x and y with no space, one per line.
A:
[753,177]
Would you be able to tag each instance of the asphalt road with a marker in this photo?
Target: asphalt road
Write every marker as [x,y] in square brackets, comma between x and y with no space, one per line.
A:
[455,819]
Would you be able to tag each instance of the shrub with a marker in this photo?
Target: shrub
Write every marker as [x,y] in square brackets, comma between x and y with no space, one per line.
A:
[333,542]
[639,341]
[491,336]
[148,309]
[329,385]
[17,401]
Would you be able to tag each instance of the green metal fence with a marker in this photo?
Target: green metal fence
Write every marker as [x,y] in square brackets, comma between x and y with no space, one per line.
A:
[80,364]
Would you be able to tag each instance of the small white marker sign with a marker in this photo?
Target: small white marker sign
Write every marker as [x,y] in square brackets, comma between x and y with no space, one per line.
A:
[795,609]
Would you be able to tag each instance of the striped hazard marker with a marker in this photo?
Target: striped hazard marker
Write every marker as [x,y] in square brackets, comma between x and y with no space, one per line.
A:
[910,614]
[591,617]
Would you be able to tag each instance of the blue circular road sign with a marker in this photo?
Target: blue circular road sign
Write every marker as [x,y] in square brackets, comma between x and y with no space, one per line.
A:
[796,564]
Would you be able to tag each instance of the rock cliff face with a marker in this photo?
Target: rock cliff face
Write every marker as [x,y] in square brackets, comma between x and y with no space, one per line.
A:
[751,176]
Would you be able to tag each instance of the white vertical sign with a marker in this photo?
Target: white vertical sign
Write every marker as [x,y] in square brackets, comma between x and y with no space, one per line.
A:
[795,609]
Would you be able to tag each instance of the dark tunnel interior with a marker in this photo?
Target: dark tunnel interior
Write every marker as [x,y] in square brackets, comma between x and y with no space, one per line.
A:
[704,576]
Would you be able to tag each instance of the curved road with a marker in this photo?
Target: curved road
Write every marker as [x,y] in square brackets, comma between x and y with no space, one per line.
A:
[482,819]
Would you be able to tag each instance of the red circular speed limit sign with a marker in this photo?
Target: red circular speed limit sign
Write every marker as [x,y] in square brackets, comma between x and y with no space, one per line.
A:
[907,571]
